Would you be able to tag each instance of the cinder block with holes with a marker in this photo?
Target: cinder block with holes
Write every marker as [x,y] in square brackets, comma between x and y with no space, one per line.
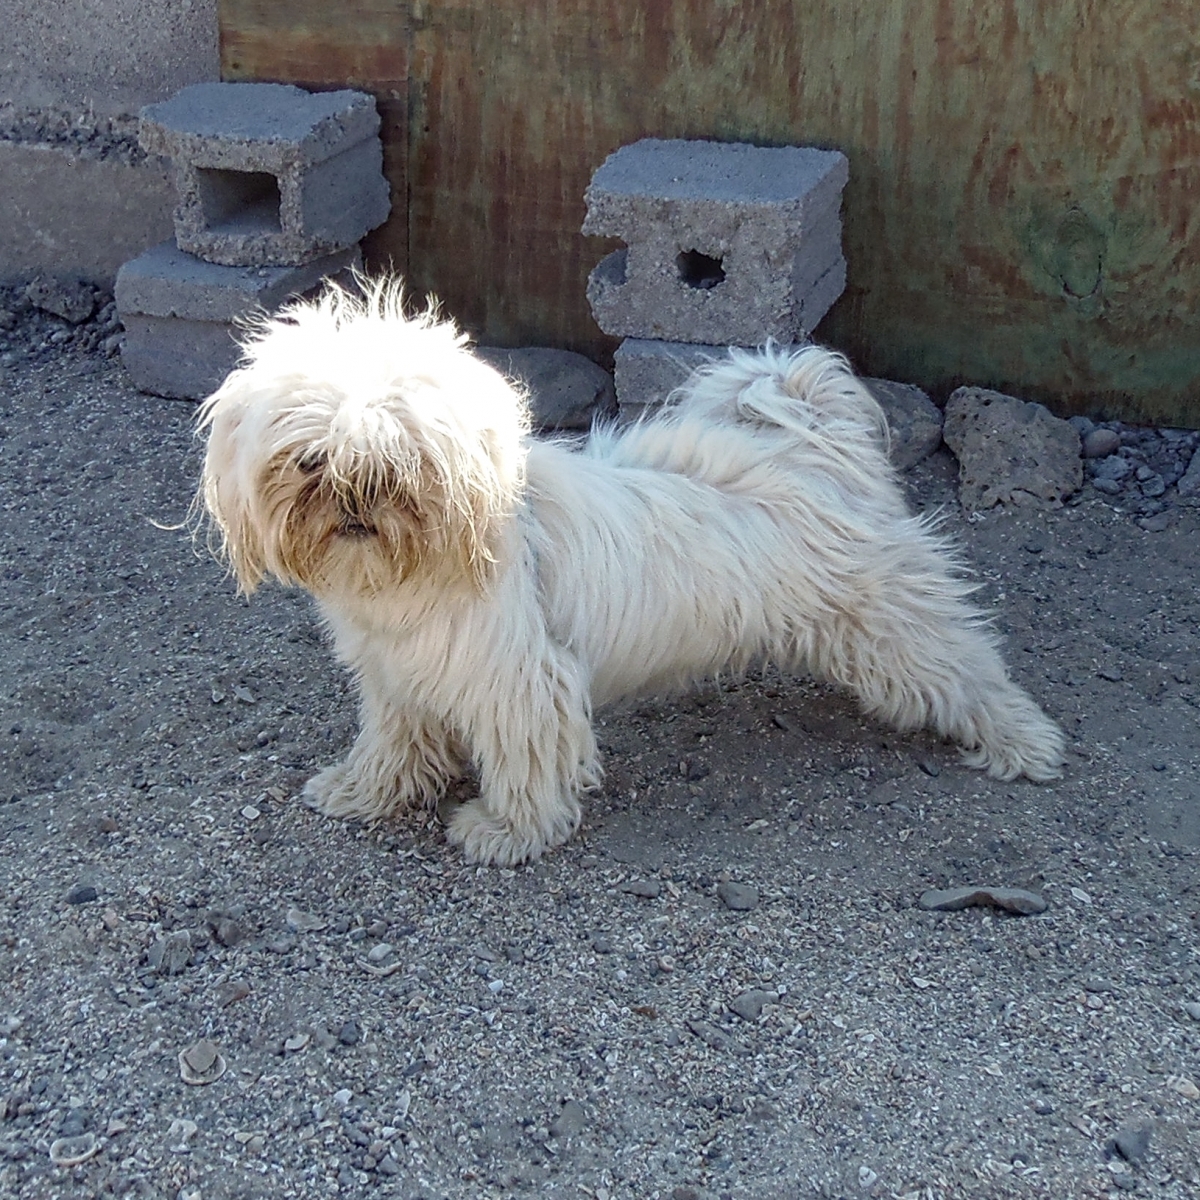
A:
[726,243]
[180,313]
[269,174]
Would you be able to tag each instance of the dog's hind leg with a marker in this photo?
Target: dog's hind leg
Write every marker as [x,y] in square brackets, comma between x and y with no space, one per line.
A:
[904,640]
[398,761]
[534,747]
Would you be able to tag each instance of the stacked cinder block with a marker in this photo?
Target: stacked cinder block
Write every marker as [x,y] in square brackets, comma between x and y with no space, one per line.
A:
[277,186]
[725,245]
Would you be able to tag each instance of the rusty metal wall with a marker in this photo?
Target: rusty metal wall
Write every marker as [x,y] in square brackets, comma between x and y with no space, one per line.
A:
[1024,205]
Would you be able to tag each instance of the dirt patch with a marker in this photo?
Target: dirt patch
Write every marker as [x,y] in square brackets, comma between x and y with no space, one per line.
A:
[611,1021]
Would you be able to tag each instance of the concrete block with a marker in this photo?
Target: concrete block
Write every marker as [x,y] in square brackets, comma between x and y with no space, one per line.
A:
[726,244]
[646,372]
[269,174]
[67,214]
[180,313]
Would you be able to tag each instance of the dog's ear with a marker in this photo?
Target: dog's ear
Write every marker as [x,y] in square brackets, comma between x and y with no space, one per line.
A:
[227,497]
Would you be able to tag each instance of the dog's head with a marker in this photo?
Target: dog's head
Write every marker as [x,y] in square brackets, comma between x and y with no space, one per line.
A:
[358,448]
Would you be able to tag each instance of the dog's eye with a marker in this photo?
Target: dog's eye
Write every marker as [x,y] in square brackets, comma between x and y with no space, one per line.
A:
[310,464]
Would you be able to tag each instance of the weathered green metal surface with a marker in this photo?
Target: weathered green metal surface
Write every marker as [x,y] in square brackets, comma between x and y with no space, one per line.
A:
[1024,205]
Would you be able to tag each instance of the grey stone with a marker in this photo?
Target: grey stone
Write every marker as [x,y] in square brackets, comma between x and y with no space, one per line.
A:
[726,244]
[171,954]
[269,174]
[1115,467]
[648,889]
[1133,1142]
[914,421]
[1100,443]
[739,897]
[179,313]
[82,893]
[570,1121]
[66,298]
[1010,451]
[749,1004]
[1189,481]
[1014,900]
[566,390]
[1192,1008]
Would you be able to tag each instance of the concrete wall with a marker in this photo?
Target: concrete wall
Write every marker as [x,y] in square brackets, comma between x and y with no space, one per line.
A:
[76,196]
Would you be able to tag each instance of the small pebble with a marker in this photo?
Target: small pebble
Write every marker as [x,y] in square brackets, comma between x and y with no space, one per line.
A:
[1133,1142]
[1192,1008]
[648,889]
[299,921]
[739,897]
[201,1063]
[171,954]
[227,931]
[570,1121]
[82,893]
[71,1151]
[377,954]
[349,1034]
[749,1005]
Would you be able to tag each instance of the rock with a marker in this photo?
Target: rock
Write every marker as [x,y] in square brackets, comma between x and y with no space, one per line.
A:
[711,1036]
[749,1005]
[170,955]
[1082,425]
[1133,1142]
[914,421]
[349,1034]
[71,300]
[299,921]
[649,889]
[227,931]
[380,953]
[71,1151]
[1189,481]
[1115,467]
[739,897]
[1192,1008]
[570,1121]
[566,390]
[1014,900]
[201,1063]
[82,893]
[1100,443]
[1010,451]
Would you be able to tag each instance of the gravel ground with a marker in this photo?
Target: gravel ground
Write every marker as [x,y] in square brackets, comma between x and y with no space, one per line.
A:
[723,987]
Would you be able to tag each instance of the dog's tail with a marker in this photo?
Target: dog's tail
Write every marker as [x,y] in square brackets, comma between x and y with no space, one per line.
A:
[811,393]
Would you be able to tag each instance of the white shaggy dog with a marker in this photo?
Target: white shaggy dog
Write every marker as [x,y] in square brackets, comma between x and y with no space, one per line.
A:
[488,590]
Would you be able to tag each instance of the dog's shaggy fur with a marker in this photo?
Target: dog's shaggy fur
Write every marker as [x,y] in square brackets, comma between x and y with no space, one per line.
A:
[488,590]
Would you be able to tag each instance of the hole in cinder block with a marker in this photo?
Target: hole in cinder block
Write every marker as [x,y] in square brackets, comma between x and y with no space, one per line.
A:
[700,270]
[239,200]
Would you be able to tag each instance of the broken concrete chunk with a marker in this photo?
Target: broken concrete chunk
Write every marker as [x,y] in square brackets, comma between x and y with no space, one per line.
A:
[1010,451]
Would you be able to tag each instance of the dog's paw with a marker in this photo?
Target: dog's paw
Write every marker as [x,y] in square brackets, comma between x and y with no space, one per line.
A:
[485,838]
[1032,745]
[337,791]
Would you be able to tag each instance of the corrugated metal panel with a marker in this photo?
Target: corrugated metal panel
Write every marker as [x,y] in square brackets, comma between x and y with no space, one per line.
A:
[1024,205]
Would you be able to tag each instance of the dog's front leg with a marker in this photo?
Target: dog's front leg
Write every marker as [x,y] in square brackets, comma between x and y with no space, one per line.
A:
[399,760]
[533,744]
